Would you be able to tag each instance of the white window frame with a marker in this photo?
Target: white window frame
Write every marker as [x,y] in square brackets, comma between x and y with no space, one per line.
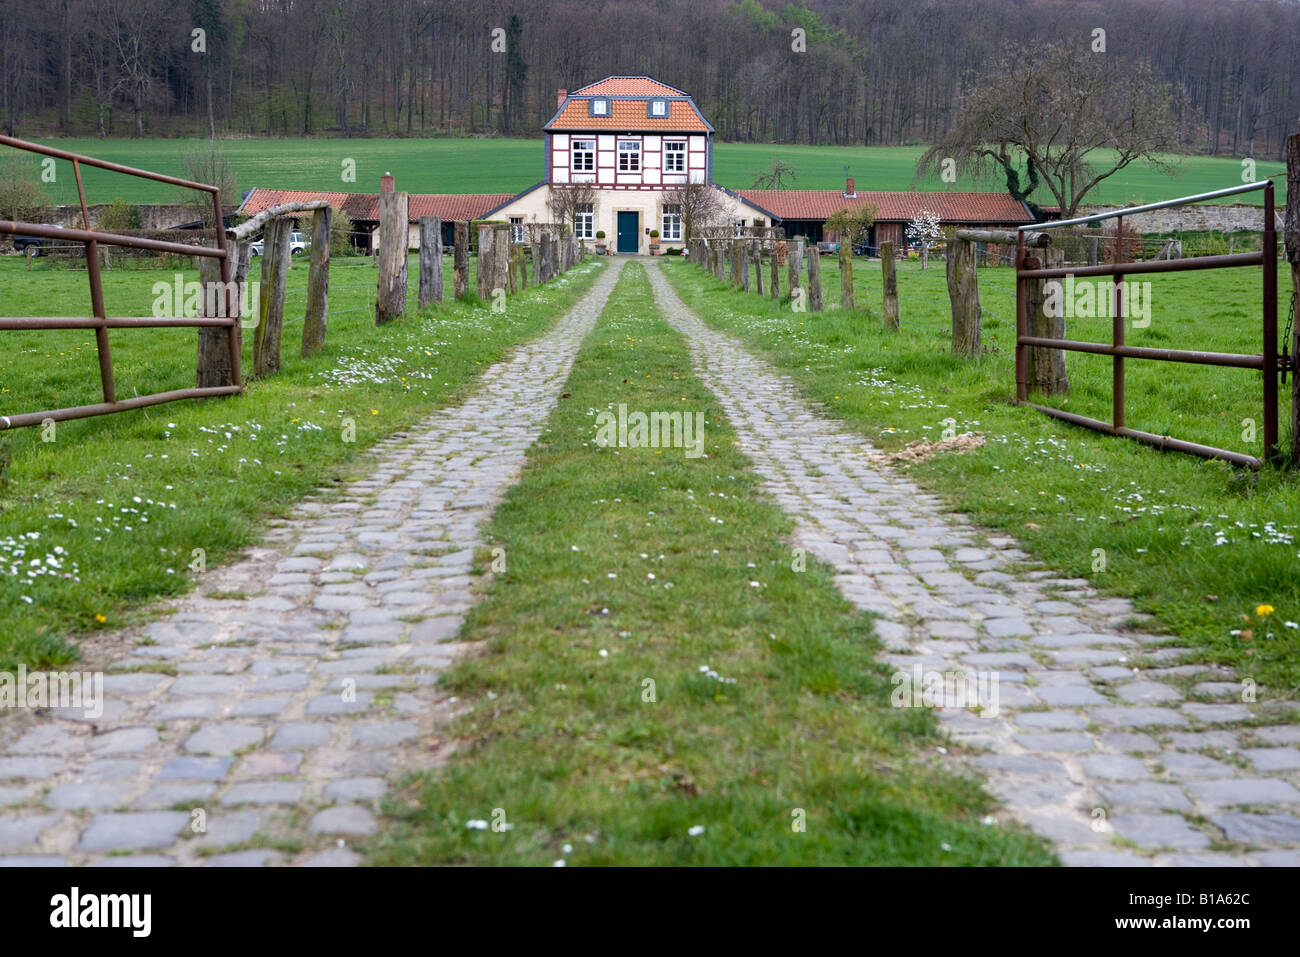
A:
[677,149]
[629,160]
[583,157]
[516,229]
[658,109]
[600,106]
[738,228]
[670,225]
[584,222]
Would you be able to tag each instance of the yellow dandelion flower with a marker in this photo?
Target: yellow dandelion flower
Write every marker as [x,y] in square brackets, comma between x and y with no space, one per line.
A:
[1263,610]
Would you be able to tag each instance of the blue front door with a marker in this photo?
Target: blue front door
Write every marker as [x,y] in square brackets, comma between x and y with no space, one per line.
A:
[628,240]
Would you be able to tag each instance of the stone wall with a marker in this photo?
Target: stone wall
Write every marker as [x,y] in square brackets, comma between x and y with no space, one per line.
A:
[1199,216]
[152,216]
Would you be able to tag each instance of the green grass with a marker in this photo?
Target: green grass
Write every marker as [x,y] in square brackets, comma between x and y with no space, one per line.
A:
[1066,491]
[456,165]
[119,503]
[633,565]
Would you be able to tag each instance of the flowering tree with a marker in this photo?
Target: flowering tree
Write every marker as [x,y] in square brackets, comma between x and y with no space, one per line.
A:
[924,229]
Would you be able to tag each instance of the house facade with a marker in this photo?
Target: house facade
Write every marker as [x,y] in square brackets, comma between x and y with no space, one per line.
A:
[633,141]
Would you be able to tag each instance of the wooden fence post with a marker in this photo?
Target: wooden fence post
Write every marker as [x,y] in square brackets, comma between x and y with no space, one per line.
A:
[774,272]
[963,291]
[846,275]
[318,283]
[744,265]
[572,242]
[814,281]
[1291,237]
[758,268]
[536,246]
[501,258]
[390,302]
[889,277]
[275,269]
[545,267]
[486,262]
[213,360]
[555,256]
[430,261]
[460,260]
[794,263]
[1046,366]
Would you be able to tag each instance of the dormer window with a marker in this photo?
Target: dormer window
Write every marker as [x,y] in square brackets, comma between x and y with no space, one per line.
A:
[598,106]
[658,107]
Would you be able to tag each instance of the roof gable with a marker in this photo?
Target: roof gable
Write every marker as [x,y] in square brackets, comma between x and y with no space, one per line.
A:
[629,99]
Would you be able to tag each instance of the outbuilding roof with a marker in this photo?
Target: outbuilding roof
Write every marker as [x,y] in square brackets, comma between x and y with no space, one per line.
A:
[448,206]
[949,207]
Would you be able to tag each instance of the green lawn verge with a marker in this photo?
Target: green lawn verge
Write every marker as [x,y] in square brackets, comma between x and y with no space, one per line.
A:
[630,575]
[1200,545]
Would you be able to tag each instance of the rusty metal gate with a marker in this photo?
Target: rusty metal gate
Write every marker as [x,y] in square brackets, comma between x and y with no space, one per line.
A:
[1267,361]
[99,320]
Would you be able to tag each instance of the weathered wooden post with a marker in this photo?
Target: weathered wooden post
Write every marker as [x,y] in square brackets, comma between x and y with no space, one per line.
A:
[1046,366]
[501,258]
[846,274]
[963,291]
[794,263]
[213,363]
[430,260]
[758,268]
[572,242]
[318,283]
[275,269]
[744,265]
[460,260]
[721,261]
[814,281]
[774,272]
[486,262]
[536,246]
[555,256]
[889,279]
[546,268]
[390,301]
[1291,237]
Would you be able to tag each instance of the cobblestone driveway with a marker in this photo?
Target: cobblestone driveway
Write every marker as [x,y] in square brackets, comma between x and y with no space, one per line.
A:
[305,674]
[1085,747]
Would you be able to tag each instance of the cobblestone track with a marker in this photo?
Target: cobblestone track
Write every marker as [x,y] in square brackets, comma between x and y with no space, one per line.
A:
[1085,747]
[361,594]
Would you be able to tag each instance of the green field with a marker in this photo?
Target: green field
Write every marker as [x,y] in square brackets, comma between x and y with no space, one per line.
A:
[511,165]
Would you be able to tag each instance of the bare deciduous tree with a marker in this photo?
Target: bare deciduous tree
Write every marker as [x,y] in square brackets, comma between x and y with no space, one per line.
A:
[567,201]
[1075,117]
[701,206]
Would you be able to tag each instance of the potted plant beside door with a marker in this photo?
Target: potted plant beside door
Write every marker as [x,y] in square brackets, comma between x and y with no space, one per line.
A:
[654,242]
[600,242]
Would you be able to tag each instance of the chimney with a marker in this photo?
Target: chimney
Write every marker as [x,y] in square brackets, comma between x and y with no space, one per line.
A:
[848,189]
[386,183]
[560,94]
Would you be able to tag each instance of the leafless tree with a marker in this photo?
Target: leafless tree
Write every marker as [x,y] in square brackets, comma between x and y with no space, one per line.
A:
[1059,108]
[566,202]
[701,205]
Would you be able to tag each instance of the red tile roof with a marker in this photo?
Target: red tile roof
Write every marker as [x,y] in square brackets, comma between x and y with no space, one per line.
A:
[628,116]
[949,207]
[449,206]
[627,86]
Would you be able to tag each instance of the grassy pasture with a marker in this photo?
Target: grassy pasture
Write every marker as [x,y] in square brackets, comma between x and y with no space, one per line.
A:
[465,165]
[112,510]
